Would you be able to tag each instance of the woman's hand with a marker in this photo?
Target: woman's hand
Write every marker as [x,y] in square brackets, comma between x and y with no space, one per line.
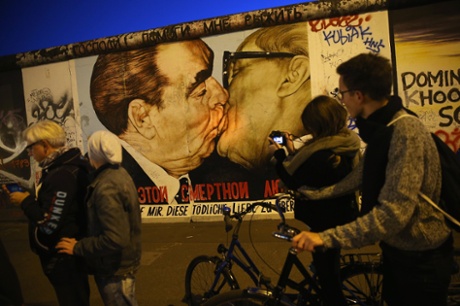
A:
[273,146]
[16,197]
[289,142]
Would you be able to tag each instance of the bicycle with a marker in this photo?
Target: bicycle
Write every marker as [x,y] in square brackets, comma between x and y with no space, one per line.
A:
[207,276]
[210,280]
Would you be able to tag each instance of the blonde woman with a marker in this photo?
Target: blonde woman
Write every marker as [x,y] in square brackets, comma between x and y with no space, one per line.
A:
[57,209]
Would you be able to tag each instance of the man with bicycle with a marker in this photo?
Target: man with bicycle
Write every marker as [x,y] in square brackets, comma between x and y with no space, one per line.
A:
[400,161]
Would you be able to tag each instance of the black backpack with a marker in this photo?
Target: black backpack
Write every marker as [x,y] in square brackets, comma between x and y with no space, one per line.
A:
[449,204]
[450,191]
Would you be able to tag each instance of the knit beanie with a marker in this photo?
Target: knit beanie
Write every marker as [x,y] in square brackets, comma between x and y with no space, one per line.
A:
[104,147]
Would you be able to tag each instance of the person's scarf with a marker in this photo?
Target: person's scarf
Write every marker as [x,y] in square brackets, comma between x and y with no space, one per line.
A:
[346,142]
[377,136]
[379,119]
[47,161]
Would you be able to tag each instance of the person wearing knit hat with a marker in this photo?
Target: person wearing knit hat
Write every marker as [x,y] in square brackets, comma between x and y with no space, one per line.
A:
[104,147]
[113,247]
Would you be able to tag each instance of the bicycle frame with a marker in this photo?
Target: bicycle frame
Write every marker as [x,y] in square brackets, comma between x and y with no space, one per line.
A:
[249,267]
[305,288]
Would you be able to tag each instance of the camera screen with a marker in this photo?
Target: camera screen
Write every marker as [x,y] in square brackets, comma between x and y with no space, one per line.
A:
[14,187]
[278,139]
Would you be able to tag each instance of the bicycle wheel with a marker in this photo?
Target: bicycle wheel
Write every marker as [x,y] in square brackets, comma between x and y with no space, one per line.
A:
[362,284]
[200,275]
[247,297]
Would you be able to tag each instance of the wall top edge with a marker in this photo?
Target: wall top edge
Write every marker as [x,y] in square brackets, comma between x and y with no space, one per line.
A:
[202,28]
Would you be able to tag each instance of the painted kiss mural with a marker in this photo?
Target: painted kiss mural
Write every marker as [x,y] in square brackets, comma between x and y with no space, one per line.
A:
[192,139]
[193,116]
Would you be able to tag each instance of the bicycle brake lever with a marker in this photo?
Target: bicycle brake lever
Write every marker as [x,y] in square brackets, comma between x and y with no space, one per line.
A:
[281,235]
[286,232]
[227,219]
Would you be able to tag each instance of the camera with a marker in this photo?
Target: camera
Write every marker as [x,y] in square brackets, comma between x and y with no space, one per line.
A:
[278,137]
[14,187]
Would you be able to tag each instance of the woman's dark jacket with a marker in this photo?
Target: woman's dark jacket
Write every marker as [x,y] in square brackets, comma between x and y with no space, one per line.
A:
[320,170]
[59,209]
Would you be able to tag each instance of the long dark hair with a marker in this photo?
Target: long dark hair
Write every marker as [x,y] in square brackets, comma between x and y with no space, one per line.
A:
[324,116]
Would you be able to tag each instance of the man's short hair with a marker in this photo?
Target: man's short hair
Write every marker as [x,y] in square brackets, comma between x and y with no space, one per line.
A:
[120,77]
[368,73]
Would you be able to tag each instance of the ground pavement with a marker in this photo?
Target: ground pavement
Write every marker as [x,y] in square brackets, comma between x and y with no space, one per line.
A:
[167,250]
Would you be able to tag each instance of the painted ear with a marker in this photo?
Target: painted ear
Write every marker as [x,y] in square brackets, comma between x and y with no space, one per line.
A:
[297,73]
[139,117]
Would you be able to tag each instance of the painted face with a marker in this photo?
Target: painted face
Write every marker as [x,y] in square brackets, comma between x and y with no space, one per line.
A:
[254,108]
[192,113]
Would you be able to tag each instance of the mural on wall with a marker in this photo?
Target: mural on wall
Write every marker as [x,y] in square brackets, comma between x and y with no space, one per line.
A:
[196,139]
[427,44]
[48,91]
[12,122]
[193,115]
[14,160]
[169,122]
[28,96]
[49,95]
[334,40]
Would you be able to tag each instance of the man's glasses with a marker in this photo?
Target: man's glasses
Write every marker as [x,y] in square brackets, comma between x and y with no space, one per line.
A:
[229,59]
[336,93]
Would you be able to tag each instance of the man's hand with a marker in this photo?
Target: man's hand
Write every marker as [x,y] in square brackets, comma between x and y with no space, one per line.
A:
[307,241]
[66,245]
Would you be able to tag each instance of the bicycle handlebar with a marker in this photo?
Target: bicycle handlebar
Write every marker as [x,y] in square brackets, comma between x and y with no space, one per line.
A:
[286,232]
[228,217]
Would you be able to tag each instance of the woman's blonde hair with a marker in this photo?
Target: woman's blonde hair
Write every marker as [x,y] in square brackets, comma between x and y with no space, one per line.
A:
[47,130]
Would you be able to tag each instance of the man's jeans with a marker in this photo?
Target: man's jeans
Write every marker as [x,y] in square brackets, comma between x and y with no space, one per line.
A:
[118,290]
[417,278]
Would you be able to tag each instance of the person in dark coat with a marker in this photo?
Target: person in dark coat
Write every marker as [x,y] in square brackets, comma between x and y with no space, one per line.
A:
[323,160]
[113,246]
[57,209]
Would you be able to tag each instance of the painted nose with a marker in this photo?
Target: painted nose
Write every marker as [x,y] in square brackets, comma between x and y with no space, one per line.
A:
[219,95]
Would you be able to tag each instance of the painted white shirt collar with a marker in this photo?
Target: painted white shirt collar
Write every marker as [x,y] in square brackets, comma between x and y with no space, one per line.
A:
[157,174]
